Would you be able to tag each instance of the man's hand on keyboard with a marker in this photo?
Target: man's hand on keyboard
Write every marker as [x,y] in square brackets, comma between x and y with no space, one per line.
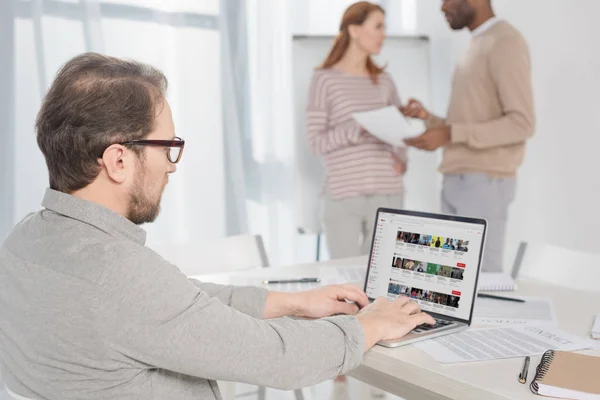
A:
[330,300]
[388,320]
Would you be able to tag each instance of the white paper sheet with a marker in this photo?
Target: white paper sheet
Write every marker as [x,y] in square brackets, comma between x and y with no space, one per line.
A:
[535,311]
[352,274]
[387,124]
[596,328]
[496,281]
[497,343]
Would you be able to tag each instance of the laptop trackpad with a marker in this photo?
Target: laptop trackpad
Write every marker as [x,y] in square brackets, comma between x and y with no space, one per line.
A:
[416,336]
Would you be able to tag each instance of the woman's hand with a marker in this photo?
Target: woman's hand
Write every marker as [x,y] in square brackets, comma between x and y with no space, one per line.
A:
[414,109]
[399,165]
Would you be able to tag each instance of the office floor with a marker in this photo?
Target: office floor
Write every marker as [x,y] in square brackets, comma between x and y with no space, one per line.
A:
[318,392]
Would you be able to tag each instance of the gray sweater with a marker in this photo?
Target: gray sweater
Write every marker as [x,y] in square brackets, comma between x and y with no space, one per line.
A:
[88,312]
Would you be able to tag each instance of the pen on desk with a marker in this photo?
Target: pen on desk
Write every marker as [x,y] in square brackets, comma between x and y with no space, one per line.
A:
[523,374]
[491,296]
[299,280]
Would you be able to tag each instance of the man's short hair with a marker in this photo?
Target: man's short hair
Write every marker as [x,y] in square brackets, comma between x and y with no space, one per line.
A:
[95,101]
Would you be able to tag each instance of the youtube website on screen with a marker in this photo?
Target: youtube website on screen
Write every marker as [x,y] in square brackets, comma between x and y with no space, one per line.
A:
[432,261]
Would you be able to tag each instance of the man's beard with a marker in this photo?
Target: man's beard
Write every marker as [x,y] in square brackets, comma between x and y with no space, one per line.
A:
[462,17]
[142,208]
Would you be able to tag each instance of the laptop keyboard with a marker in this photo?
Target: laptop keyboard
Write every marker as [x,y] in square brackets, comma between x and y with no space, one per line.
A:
[439,323]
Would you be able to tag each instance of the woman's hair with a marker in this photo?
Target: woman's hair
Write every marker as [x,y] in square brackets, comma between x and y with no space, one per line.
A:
[356,14]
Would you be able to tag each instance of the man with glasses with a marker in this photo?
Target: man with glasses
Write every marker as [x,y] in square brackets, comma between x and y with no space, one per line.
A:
[88,312]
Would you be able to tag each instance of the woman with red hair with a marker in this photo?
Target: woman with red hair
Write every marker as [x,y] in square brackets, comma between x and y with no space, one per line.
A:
[363,173]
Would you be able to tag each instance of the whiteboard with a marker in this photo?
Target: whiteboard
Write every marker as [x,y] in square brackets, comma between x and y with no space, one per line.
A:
[407,60]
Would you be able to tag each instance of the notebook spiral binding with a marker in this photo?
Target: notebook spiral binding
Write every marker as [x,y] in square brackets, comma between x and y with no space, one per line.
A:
[542,370]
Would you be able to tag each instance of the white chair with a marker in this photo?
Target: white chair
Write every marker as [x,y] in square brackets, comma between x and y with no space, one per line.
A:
[233,253]
[558,266]
[7,394]
[3,392]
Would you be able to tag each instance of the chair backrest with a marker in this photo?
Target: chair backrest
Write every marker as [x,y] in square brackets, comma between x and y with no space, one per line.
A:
[233,253]
[518,261]
[7,394]
[559,266]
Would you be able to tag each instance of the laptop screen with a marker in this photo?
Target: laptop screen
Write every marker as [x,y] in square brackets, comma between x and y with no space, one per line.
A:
[432,260]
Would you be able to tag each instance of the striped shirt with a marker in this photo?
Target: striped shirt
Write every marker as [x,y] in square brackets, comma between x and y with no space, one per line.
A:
[356,163]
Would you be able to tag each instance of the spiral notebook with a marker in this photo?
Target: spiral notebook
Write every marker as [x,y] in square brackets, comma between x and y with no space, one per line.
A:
[567,375]
[496,281]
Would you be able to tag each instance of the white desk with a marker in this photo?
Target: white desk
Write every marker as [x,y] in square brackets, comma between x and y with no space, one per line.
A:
[412,374]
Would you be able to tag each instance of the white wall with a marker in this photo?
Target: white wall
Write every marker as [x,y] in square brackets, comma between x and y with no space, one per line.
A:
[558,190]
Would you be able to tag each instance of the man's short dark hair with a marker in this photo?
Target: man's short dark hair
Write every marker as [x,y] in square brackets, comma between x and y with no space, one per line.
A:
[95,101]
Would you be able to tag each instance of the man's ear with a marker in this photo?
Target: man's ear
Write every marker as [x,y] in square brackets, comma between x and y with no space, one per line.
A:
[117,162]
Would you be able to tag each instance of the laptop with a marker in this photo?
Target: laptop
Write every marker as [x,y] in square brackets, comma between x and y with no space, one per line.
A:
[434,260]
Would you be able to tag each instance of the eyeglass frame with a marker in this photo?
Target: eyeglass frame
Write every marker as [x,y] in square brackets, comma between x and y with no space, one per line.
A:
[178,142]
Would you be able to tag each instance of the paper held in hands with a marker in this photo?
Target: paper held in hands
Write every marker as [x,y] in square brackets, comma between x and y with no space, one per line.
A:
[386,124]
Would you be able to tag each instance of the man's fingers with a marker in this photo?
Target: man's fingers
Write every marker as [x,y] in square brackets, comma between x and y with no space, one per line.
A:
[341,307]
[424,142]
[352,293]
[422,318]
[418,142]
[411,308]
[429,146]
[402,301]
[411,141]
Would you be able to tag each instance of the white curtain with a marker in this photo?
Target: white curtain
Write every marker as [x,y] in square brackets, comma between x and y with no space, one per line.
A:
[236,112]
[269,167]
[7,106]
[180,37]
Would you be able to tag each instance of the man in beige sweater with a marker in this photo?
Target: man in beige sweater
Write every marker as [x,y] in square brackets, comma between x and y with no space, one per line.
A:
[490,117]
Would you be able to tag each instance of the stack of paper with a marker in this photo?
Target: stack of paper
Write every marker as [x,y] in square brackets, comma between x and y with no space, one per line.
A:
[537,311]
[497,343]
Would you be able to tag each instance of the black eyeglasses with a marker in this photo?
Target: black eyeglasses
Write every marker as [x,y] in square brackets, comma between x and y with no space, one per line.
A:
[175,146]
